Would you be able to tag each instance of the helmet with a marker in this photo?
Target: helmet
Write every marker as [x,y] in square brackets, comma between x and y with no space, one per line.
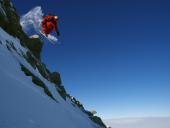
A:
[56,17]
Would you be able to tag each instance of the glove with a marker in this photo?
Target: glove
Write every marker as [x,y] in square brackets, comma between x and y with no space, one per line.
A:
[58,33]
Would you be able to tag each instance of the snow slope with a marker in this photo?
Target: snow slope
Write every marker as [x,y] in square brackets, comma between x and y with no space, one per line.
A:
[25,105]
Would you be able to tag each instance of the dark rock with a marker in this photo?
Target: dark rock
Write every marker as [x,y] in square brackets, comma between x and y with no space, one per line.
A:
[98,120]
[10,21]
[55,78]
[35,46]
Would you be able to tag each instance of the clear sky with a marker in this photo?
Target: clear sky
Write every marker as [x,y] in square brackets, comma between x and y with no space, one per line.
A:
[114,54]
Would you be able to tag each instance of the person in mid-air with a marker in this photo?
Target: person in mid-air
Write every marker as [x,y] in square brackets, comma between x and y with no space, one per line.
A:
[49,24]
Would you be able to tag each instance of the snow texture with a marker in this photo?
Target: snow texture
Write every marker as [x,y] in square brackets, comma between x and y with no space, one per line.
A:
[25,105]
[31,21]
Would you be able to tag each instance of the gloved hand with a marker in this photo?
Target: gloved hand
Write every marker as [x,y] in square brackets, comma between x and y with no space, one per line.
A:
[58,33]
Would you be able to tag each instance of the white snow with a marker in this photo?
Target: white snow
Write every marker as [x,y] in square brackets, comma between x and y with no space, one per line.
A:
[23,104]
[34,36]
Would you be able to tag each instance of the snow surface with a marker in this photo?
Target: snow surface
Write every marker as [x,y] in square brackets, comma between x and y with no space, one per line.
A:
[25,105]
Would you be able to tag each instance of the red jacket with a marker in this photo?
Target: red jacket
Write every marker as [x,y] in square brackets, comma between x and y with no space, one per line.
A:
[49,24]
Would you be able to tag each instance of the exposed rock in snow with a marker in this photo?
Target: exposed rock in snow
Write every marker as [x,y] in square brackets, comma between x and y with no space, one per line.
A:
[2,11]
[31,96]
[24,105]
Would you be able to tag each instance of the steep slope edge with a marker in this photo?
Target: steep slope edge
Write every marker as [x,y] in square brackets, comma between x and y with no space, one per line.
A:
[29,92]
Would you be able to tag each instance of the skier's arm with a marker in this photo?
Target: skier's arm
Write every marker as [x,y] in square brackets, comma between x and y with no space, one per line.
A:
[58,33]
[56,29]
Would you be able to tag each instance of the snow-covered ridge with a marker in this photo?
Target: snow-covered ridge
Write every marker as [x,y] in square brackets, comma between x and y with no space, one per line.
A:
[29,97]
[24,105]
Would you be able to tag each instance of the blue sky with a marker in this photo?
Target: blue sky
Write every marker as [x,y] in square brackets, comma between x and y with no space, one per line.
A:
[114,54]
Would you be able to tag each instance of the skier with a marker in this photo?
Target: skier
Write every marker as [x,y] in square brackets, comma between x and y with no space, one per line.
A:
[49,24]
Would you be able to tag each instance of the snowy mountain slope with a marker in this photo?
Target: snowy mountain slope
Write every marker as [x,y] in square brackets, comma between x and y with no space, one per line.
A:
[25,105]
[31,96]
